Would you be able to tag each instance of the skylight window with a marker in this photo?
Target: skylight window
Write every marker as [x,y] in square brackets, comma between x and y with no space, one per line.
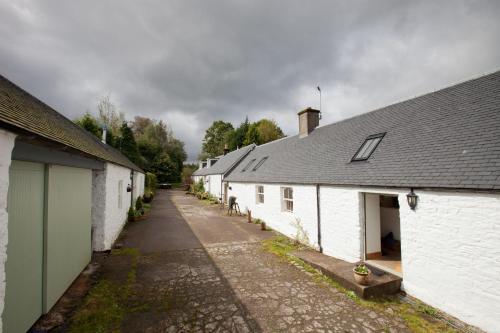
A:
[248,165]
[260,163]
[368,147]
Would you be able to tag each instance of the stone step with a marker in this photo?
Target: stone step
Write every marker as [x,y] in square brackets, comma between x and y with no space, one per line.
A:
[383,283]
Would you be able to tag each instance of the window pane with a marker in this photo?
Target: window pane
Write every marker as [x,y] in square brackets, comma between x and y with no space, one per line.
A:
[365,148]
[370,149]
[248,165]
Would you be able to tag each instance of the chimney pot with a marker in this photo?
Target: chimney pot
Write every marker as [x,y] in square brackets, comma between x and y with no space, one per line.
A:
[308,121]
[226,149]
[104,132]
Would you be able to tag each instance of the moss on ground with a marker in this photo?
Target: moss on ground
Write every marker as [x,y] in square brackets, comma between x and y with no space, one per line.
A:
[107,302]
[419,317]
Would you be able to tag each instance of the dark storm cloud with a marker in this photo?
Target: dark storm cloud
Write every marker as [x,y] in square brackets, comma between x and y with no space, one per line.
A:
[190,63]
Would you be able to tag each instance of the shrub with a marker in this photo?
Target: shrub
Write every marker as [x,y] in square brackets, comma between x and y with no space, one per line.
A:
[131,214]
[138,205]
[199,187]
[150,182]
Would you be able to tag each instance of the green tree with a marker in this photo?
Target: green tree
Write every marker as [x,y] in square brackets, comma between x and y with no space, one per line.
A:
[216,136]
[89,123]
[252,135]
[268,131]
[237,137]
[128,146]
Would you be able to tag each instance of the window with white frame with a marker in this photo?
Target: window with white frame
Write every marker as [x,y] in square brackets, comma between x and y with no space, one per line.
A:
[287,199]
[120,194]
[259,194]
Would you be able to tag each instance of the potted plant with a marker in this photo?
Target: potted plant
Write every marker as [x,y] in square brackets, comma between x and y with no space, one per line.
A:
[362,275]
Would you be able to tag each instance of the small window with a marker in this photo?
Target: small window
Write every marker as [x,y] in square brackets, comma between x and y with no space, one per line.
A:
[260,163]
[259,194]
[287,199]
[368,147]
[248,165]
[120,194]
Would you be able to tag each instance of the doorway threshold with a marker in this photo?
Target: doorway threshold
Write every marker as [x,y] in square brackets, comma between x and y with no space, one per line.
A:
[390,266]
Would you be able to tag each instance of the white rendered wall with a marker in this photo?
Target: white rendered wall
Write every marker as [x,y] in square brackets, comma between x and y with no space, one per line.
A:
[341,222]
[451,254]
[138,184]
[215,183]
[7,140]
[107,217]
[304,214]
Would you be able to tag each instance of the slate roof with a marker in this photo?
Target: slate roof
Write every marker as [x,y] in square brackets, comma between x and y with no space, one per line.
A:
[226,162]
[21,110]
[445,139]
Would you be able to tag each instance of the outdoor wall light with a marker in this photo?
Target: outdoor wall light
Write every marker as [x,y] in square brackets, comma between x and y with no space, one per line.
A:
[412,199]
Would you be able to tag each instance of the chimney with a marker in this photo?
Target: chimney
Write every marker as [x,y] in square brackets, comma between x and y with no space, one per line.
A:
[308,121]
[104,132]
[226,149]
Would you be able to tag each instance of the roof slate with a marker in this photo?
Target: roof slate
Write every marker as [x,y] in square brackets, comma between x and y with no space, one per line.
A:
[226,162]
[20,109]
[445,139]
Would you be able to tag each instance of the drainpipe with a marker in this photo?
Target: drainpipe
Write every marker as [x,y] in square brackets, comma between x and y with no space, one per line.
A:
[318,218]
[131,188]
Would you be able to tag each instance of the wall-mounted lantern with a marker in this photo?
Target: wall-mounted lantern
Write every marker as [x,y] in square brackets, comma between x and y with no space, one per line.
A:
[129,188]
[412,199]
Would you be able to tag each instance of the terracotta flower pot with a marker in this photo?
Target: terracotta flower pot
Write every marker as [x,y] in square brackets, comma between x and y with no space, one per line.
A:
[362,279]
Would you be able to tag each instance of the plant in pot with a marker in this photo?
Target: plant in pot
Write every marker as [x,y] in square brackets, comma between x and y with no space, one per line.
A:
[362,275]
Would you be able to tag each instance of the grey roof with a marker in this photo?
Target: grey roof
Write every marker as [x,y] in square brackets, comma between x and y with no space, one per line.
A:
[226,162]
[19,109]
[445,139]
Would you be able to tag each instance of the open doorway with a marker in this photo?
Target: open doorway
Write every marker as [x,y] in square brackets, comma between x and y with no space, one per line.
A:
[382,232]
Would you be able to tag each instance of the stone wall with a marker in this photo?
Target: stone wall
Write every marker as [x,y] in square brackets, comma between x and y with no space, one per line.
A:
[7,140]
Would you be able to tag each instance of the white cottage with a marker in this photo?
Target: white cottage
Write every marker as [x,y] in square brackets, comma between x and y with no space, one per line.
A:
[63,193]
[412,188]
[213,171]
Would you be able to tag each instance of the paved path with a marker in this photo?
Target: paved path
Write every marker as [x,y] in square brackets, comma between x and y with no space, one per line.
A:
[200,271]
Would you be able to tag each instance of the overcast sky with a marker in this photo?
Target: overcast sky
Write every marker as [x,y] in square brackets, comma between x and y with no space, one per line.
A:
[192,62]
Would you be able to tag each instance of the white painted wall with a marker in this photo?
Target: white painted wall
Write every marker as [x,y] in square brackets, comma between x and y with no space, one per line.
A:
[107,217]
[7,140]
[451,254]
[138,190]
[304,211]
[215,183]
[341,222]
[372,207]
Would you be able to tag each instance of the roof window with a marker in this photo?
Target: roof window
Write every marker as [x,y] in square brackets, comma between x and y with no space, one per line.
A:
[368,147]
[248,165]
[260,163]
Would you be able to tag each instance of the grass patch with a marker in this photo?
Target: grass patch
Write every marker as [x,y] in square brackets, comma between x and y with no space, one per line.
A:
[106,304]
[419,317]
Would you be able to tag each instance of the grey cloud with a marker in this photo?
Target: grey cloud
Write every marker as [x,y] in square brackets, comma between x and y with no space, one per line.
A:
[191,62]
